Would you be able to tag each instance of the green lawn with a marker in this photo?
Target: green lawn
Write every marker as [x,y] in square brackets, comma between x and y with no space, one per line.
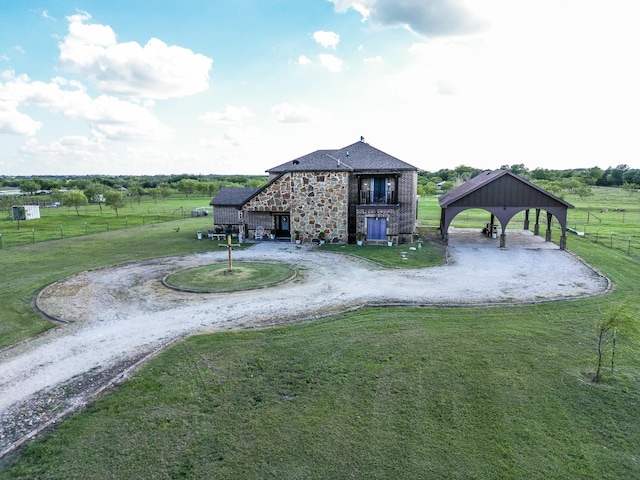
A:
[427,253]
[218,278]
[27,269]
[63,222]
[381,393]
[487,393]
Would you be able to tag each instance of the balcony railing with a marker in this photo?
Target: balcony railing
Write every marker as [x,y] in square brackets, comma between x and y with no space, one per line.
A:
[366,198]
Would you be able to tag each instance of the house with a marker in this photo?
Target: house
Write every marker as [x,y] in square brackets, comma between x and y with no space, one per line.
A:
[357,188]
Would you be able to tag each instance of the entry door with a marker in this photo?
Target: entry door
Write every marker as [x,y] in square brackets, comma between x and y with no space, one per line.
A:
[376,228]
[283,229]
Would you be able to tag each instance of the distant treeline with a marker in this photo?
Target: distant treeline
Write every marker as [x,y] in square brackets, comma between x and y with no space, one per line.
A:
[113,191]
[556,181]
[68,182]
[429,183]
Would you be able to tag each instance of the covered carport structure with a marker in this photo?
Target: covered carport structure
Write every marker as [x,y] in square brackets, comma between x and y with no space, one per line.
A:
[504,194]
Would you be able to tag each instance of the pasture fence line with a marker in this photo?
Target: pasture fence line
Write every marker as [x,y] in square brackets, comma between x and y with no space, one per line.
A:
[606,237]
[26,234]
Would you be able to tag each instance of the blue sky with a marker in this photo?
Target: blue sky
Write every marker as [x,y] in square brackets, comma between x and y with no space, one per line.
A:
[238,86]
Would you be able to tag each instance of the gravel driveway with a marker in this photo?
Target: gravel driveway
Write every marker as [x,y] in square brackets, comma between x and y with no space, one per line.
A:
[120,315]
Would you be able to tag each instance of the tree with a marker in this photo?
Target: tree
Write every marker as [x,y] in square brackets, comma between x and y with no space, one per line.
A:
[114,199]
[95,192]
[630,188]
[135,189]
[618,322]
[164,191]
[187,186]
[29,186]
[74,198]
[583,192]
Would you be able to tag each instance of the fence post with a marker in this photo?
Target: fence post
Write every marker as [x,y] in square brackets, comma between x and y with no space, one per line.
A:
[611,240]
[0,241]
[61,234]
[33,235]
[629,246]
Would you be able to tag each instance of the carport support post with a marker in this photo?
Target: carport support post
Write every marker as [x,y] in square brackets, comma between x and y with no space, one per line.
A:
[526,219]
[547,237]
[503,240]
[536,227]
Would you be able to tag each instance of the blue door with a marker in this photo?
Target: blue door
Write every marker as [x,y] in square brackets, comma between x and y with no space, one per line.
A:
[376,228]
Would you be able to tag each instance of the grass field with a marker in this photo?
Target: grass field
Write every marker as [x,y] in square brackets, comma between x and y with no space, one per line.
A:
[62,222]
[500,392]
[218,278]
[27,269]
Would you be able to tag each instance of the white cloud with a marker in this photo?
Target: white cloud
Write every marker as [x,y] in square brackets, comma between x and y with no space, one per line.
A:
[327,39]
[293,113]
[237,136]
[232,137]
[303,60]
[153,71]
[107,115]
[14,122]
[362,7]
[330,62]
[232,114]
[73,153]
[45,14]
[376,59]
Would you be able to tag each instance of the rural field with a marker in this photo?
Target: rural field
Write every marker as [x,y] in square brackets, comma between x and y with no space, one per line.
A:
[489,392]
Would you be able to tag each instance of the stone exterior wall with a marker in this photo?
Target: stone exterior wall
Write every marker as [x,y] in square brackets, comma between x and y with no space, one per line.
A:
[316,202]
[276,198]
[320,205]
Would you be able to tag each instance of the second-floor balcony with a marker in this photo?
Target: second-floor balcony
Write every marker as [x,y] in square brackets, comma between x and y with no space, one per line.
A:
[369,197]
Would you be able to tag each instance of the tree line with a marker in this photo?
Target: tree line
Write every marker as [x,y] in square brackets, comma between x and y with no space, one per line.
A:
[558,182]
[115,191]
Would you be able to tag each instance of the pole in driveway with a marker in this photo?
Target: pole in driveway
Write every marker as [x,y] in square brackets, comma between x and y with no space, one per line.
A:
[229,246]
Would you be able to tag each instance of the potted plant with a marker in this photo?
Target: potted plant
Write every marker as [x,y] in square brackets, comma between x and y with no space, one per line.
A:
[272,234]
[321,236]
[297,236]
[359,236]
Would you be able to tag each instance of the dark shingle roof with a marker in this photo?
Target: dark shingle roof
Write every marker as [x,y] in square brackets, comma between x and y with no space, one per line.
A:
[233,196]
[358,156]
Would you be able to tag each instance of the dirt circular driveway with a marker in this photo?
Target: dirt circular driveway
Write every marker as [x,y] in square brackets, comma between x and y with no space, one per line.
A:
[119,315]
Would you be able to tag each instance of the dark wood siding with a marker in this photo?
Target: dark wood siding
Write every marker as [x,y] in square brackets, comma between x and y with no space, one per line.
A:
[506,191]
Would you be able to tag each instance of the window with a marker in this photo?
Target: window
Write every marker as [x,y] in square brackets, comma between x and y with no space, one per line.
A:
[377,190]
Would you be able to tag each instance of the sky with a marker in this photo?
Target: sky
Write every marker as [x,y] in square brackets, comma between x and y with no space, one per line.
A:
[239,86]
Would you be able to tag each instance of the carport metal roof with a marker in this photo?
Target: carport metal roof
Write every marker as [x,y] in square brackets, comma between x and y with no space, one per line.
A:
[503,194]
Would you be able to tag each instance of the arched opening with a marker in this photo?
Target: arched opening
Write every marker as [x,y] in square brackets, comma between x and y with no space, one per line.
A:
[504,194]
